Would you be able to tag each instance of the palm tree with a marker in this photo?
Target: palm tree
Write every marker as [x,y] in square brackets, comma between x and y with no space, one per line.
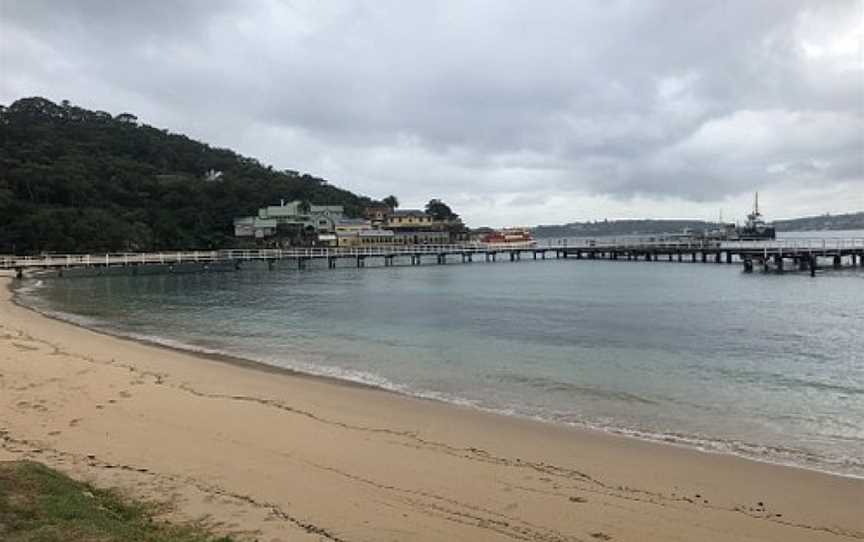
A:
[391,202]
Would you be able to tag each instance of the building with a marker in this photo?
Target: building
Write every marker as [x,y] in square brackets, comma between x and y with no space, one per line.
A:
[413,226]
[293,219]
[411,219]
[422,237]
[299,223]
[377,214]
[252,226]
[326,216]
[365,238]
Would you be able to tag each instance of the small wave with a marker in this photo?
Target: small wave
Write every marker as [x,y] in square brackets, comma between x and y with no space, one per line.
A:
[842,465]
[28,287]
[551,385]
[783,381]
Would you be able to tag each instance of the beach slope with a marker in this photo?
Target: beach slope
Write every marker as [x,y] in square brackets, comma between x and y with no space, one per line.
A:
[277,456]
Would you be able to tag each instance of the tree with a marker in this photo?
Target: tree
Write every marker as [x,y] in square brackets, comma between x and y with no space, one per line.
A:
[391,202]
[440,210]
[75,180]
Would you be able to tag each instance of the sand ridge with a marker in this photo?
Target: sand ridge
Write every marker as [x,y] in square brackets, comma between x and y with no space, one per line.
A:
[282,457]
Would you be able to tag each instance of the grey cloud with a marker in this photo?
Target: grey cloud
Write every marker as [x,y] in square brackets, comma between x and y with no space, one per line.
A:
[467,98]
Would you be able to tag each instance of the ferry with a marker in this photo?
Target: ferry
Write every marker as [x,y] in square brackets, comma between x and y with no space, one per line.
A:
[509,236]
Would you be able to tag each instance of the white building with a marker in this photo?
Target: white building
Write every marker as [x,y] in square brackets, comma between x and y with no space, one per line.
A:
[321,218]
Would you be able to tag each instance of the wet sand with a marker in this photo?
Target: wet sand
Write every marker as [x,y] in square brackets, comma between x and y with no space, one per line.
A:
[278,456]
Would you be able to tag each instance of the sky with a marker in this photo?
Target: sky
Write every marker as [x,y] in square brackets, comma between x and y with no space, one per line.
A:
[514,113]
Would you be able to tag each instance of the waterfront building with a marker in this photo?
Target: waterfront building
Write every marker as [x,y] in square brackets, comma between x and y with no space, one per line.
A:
[413,226]
[299,223]
[369,237]
[255,227]
[289,218]
[412,218]
[377,214]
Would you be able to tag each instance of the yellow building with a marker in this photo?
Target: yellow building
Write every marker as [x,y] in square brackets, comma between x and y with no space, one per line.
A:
[410,218]
[365,238]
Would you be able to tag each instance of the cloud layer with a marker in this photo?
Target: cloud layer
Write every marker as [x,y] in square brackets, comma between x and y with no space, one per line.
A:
[515,112]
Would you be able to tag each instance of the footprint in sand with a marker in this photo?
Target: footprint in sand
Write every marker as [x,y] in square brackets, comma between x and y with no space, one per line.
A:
[74,422]
[30,406]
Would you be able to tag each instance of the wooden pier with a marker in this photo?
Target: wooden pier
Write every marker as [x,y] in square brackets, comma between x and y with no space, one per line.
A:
[775,256]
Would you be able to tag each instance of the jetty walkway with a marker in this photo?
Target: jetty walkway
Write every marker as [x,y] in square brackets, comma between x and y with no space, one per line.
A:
[775,255]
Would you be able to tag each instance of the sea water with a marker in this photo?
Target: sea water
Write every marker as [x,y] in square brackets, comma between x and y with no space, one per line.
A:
[762,365]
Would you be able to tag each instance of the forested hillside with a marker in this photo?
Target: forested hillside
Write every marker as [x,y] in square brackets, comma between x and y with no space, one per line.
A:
[74,180]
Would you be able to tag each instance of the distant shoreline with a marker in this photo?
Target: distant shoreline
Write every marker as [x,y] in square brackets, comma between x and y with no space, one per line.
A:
[847,222]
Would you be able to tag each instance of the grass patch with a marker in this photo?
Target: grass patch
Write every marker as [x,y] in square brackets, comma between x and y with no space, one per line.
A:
[38,504]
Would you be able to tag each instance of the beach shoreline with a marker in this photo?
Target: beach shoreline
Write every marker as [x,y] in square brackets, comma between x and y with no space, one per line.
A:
[283,455]
[676,440]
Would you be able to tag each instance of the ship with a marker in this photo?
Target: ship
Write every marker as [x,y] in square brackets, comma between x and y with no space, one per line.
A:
[755,229]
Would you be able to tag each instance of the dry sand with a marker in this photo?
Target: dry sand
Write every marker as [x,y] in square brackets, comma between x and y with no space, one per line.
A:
[276,456]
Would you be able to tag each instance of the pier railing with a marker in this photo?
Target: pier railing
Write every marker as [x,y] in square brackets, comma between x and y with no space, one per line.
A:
[813,245]
[205,256]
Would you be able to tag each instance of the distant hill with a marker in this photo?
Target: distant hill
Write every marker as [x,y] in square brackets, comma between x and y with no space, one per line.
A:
[852,221]
[620,227]
[74,180]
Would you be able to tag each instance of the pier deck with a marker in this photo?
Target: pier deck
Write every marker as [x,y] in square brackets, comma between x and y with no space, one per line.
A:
[800,254]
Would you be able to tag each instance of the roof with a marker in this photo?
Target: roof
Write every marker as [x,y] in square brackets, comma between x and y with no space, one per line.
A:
[409,212]
[326,208]
[279,210]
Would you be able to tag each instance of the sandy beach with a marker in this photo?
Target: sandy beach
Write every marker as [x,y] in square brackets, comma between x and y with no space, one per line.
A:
[271,455]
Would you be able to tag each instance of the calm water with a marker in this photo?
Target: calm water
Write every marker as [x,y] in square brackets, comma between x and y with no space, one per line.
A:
[766,366]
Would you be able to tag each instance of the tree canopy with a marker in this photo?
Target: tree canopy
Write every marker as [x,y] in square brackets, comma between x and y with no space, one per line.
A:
[74,180]
[440,210]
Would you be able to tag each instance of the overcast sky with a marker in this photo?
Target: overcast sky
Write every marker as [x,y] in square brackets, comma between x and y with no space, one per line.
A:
[513,112]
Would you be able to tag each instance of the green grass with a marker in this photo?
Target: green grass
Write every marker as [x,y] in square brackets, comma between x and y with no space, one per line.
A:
[38,504]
